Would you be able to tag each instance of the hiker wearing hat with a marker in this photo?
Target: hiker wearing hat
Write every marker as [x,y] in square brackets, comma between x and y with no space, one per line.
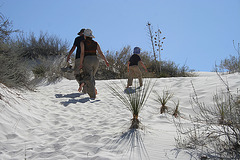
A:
[133,69]
[89,61]
[77,74]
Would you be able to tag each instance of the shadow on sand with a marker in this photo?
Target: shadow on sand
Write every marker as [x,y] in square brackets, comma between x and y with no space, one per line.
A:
[130,144]
[74,98]
[131,90]
[72,95]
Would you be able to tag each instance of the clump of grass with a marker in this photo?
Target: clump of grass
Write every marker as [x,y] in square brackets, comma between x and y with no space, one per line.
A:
[39,70]
[166,96]
[133,99]
[176,112]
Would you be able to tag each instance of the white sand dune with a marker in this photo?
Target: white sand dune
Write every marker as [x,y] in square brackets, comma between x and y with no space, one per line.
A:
[56,122]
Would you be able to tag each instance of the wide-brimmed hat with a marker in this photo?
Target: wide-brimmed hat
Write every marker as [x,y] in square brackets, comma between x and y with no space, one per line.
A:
[88,33]
[136,50]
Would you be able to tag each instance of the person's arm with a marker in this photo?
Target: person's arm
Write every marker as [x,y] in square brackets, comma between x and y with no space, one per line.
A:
[102,55]
[70,52]
[143,65]
[82,55]
[128,66]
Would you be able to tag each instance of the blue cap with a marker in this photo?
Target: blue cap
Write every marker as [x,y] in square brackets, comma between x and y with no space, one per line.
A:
[136,50]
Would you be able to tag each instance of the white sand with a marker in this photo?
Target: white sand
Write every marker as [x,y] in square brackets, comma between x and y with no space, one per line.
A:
[56,122]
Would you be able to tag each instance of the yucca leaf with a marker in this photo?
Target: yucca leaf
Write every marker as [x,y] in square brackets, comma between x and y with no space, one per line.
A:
[133,101]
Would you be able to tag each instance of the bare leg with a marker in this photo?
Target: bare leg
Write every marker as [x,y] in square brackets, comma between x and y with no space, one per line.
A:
[80,87]
[96,91]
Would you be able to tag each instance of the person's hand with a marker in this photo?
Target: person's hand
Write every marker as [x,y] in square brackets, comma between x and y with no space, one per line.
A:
[80,66]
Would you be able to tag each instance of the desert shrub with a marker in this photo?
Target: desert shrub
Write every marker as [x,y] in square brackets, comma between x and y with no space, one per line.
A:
[231,64]
[33,47]
[169,69]
[215,132]
[117,64]
[105,73]
[19,58]
[6,29]
[48,69]
[13,67]
[45,55]
[163,99]
[13,70]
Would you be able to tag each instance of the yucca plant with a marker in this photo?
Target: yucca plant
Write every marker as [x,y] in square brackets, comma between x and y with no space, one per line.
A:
[166,96]
[133,99]
[176,112]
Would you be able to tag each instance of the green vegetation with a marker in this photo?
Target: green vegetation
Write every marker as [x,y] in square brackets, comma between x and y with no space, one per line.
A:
[133,99]
[231,64]
[166,96]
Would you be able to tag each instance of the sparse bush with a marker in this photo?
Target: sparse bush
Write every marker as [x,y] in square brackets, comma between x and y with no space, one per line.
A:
[163,100]
[105,73]
[13,68]
[231,64]
[48,69]
[170,69]
[5,29]
[45,55]
[166,96]
[117,64]
[45,45]
[216,129]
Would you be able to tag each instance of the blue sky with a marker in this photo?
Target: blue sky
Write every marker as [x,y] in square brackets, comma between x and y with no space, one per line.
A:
[199,33]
